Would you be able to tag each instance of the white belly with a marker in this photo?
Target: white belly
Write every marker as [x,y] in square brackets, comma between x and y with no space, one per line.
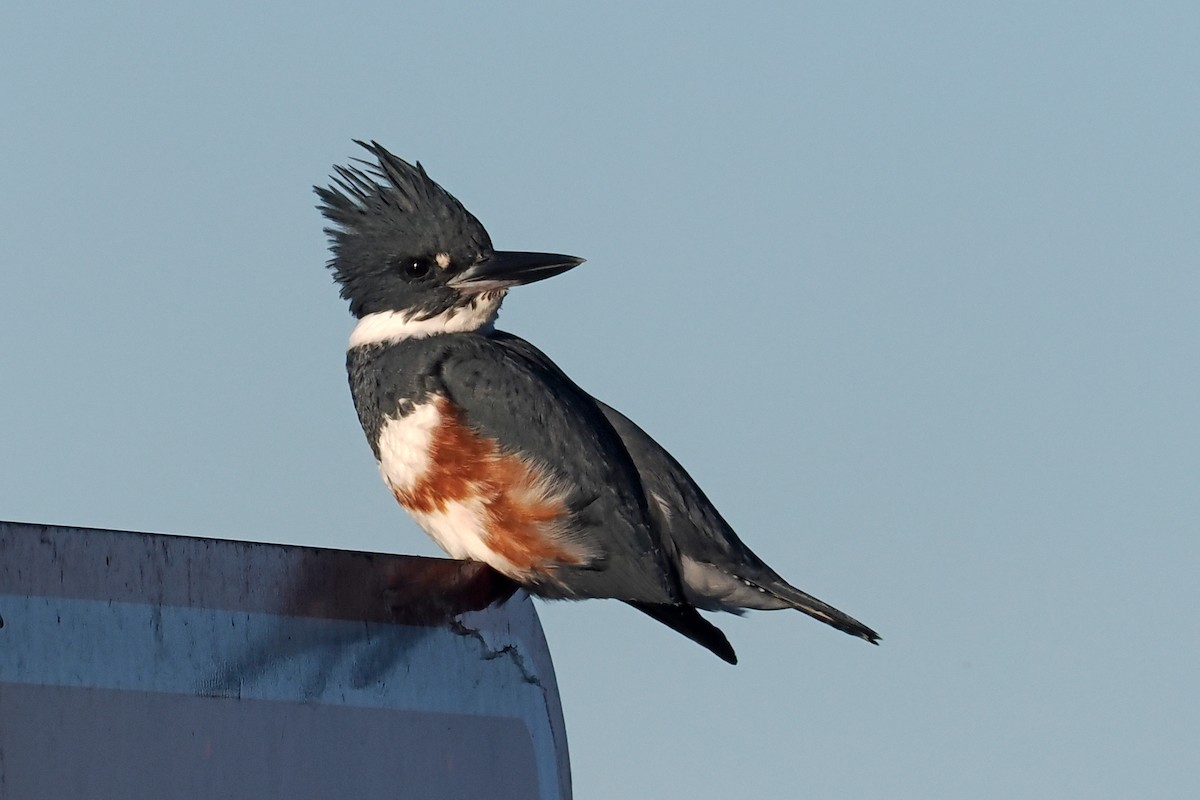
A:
[405,460]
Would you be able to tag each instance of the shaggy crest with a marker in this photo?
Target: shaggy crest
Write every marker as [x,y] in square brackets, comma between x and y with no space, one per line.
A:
[388,211]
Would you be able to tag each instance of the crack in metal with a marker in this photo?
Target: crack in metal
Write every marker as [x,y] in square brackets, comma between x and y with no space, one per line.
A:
[491,654]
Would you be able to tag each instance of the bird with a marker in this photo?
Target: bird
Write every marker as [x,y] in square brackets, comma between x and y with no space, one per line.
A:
[492,449]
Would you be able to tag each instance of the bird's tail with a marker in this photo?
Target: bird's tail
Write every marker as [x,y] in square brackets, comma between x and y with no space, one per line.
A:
[802,601]
[687,620]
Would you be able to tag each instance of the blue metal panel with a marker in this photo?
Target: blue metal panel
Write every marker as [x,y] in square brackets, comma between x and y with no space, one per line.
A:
[138,665]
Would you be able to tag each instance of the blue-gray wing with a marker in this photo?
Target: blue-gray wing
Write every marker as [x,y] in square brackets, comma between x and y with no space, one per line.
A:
[718,569]
[542,422]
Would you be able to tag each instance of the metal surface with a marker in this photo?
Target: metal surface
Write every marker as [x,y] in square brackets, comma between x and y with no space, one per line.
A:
[141,665]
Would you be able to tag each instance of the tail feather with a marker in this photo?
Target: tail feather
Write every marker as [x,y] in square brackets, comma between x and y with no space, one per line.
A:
[802,601]
[687,620]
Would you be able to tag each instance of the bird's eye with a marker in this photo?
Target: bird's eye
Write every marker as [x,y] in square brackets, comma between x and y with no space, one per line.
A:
[415,268]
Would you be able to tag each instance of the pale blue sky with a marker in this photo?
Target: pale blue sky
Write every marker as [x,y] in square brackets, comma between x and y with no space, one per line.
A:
[911,289]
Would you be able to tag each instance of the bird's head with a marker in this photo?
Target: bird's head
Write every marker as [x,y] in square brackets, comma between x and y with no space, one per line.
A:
[403,247]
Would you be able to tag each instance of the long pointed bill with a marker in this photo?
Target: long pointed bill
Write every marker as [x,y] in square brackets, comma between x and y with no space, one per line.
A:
[504,269]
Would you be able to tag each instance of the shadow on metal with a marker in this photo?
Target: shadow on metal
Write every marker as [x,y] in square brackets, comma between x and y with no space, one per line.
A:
[147,665]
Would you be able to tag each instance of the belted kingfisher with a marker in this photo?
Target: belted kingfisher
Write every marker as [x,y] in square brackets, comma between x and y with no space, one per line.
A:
[492,449]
